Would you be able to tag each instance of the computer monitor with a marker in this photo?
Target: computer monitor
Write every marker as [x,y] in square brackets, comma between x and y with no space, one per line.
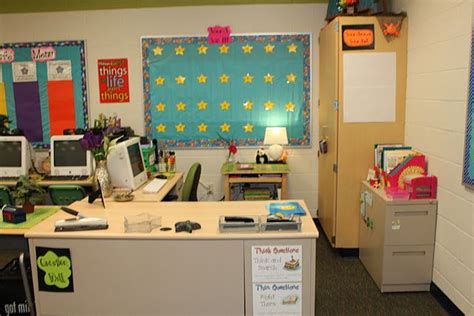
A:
[68,158]
[15,156]
[125,164]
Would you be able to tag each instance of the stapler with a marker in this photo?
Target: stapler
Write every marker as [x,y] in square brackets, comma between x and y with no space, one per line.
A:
[79,222]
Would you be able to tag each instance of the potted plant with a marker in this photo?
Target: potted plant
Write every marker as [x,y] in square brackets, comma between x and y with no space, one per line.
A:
[28,193]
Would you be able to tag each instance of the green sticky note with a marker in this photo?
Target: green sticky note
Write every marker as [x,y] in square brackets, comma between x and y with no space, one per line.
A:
[57,269]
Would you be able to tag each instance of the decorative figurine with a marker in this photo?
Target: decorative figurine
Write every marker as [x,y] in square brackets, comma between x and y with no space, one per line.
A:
[261,156]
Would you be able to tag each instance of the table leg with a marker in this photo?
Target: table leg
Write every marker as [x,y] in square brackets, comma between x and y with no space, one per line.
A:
[284,194]
[226,187]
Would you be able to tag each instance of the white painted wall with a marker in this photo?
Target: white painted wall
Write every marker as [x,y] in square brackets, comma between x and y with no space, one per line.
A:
[439,40]
[116,33]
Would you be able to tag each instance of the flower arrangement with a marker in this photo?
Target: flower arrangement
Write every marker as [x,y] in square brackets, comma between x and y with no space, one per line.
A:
[97,143]
[232,150]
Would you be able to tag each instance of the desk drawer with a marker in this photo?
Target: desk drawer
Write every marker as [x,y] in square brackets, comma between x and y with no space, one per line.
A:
[410,224]
[407,264]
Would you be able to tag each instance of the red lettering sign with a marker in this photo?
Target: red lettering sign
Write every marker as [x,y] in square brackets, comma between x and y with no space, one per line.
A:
[113,80]
[219,34]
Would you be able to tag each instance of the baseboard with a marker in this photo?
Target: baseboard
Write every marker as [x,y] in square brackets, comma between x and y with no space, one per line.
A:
[348,252]
[445,301]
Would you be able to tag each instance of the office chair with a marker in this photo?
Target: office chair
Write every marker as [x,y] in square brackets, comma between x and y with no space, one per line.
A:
[66,194]
[5,197]
[191,183]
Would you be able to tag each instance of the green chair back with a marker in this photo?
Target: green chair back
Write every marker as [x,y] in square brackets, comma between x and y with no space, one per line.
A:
[5,197]
[66,194]
[191,183]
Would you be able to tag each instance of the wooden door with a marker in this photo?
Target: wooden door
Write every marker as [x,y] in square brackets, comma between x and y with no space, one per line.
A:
[328,118]
[356,140]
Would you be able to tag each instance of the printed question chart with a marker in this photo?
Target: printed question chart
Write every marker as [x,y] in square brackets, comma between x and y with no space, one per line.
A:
[277,279]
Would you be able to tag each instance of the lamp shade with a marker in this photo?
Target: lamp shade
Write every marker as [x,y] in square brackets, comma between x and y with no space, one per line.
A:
[275,135]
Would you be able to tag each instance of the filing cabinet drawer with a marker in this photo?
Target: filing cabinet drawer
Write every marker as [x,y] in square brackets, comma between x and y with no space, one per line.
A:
[410,224]
[407,264]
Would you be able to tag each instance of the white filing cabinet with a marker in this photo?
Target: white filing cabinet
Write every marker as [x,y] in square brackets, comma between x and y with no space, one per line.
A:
[397,240]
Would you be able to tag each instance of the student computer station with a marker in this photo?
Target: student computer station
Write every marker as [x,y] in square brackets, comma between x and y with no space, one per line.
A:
[221,158]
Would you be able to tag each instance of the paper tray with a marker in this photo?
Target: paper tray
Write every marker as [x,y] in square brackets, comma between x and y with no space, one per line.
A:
[234,227]
[294,226]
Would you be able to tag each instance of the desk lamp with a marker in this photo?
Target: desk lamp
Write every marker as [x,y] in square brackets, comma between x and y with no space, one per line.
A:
[275,136]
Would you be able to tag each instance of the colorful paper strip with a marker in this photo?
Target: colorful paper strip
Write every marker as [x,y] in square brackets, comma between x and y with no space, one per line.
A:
[28,111]
[61,106]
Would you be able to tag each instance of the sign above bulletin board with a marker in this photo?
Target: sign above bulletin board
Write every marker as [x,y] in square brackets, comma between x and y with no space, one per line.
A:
[43,88]
[198,94]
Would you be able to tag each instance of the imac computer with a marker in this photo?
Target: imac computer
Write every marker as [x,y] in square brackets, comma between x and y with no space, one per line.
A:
[14,156]
[68,158]
[125,164]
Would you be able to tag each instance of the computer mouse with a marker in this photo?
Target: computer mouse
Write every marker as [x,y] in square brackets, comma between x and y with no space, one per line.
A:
[161,176]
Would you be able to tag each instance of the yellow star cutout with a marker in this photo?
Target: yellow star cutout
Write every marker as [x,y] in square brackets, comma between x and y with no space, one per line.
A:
[180,127]
[224,49]
[202,127]
[247,49]
[202,50]
[292,48]
[248,128]
[225,106]
[225,128]
[161,128]
[160,107]
[248,105]
[179,50]
[158,50]
[248,78]
[269,105]
[224,78]
[290,78]
[202,105]
[290,107]
[181,106]
[268,78]
[180,79]
[160,81]
[268,48]
[202,78]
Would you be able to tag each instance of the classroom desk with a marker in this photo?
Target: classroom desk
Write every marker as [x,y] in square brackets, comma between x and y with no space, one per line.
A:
[46,183]
[259,173]
[174,185]
[166,273]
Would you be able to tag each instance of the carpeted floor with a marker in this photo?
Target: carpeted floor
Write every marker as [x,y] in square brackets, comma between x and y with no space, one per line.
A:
[344,287]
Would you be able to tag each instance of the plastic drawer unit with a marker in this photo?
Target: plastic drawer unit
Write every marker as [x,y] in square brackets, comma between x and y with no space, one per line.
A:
[397,240]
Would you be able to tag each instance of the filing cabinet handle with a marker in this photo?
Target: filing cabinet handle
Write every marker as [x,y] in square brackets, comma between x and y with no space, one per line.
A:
[411,213]
[409,253]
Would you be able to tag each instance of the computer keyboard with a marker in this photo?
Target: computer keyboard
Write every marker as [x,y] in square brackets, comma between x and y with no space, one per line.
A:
[154,185]
[64,178]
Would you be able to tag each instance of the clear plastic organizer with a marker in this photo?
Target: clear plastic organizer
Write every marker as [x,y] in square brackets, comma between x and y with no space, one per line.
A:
[280,226]
[236,226]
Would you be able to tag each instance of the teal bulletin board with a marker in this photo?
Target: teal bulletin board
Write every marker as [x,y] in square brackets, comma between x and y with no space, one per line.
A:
[204,95]
[43,88]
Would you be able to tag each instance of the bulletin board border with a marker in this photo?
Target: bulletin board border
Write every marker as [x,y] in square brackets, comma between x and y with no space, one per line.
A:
[81,44]
[305,38]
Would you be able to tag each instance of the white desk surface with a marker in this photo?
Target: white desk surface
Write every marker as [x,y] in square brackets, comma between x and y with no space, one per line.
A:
[205,213]
[140,196]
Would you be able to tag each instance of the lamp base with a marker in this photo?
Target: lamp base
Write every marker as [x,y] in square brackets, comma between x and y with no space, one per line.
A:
[274,152]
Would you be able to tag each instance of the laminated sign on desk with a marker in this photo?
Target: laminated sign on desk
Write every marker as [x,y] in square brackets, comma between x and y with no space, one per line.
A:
[286,208]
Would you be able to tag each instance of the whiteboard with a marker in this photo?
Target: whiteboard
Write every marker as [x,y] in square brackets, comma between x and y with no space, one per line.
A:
[369,93]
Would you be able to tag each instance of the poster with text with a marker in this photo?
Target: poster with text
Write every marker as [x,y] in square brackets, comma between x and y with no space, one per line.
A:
[279,263]
[277,298]
[113,80]
[54,267]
